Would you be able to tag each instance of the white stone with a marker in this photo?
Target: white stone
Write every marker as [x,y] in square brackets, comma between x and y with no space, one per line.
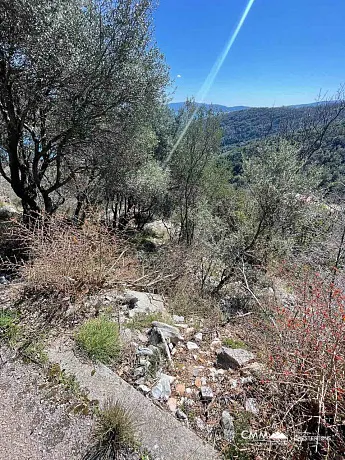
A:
[192,346]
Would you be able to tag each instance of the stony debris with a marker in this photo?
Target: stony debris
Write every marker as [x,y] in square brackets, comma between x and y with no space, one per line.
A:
[180,389]
[228,426]
[216,345]
[198,337]
[234,358]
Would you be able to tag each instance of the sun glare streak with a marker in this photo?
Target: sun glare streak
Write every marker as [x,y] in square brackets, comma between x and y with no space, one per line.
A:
[212,75]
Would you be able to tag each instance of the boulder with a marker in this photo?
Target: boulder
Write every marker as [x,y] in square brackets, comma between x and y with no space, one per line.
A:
[168,332]
[143,303]
[7,212]
[234,358]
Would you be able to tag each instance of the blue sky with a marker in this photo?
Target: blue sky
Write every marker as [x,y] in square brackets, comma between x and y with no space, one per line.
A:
[286,52]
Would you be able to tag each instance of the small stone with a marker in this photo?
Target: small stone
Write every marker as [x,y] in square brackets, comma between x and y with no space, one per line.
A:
[180,389]
[188,391]
[216,345]
[197,370]
[203,380]
[181,415]
[138,372]
[200,423]
[246,380]
[206,393]
[190,330]
[197,382]
[251,406]
[144,388]
[162,388]
[178,319]
[142,351]
[169,333]
[234,358]
[172,404]
[198,337]
[192,346]
[228,426]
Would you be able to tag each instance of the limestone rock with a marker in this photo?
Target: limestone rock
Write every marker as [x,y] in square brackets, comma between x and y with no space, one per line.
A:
[228,426]
[162,389]
[170,333]
[143,303]
[234,358]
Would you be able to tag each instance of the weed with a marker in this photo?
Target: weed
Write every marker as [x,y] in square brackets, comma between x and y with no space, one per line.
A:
[35,352]
[8,325]
[238,449]
[114,432]
[144,321]
[231,343]
[99,337]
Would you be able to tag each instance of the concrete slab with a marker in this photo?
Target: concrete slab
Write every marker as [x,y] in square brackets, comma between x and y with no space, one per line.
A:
[164,437]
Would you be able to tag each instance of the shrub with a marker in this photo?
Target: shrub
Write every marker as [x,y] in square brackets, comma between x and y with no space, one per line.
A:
[114,432]
[99,337]
[74,260]
[304,345]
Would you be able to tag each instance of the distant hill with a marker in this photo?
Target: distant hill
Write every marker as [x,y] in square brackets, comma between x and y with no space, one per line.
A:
[256,123]
[217,107]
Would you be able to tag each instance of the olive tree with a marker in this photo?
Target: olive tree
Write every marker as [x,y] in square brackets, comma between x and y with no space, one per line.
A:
[73,75]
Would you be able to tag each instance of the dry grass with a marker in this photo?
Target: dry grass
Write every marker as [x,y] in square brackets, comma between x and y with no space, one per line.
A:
[74,260]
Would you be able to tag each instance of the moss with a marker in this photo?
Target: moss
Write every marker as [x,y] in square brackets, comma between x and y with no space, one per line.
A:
[231,343]
[144,321]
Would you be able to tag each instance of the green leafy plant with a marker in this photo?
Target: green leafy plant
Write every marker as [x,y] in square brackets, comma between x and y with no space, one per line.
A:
[99,337]
[8,325]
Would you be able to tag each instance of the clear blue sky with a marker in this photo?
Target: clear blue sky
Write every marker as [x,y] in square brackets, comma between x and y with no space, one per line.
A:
[286,51]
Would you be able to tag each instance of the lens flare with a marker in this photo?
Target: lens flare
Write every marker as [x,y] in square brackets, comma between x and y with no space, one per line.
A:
[212,75]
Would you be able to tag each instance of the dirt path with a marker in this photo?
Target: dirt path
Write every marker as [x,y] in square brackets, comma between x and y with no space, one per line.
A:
[33,427]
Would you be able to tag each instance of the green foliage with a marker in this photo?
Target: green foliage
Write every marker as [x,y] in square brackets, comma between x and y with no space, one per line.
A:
[8,325]
[240,448]
[231,343]
[85,73]
[144,321]
[99,337]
